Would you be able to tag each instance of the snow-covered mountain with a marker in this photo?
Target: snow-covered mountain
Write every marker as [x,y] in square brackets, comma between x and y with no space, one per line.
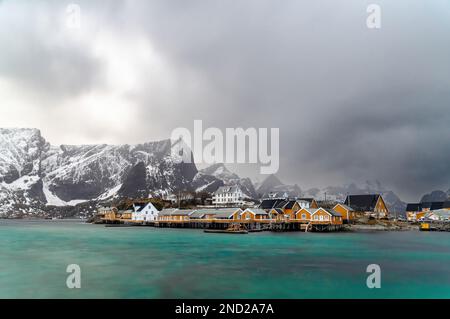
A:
[339,193]
[436,196]
[272,185]
[34,174]
[216,175]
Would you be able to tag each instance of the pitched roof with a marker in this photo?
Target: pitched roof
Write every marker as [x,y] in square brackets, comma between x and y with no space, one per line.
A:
[176,212]
[310,210]
[140,206]
[437,205]
[197,214]
[346,207]
[227,189]
[277,210]
[362,202]
[272,203]
[290,204]
[167,211]
[413,207]
[256,211]
[333,212]
[218,213]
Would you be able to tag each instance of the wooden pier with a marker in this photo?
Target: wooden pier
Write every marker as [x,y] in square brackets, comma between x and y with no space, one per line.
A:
[250,225]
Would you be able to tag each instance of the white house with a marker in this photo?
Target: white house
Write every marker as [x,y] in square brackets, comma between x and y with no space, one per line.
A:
[144,212]
[229,196]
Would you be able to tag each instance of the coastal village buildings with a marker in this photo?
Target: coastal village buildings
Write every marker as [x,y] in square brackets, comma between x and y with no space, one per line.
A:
[414,212]
[427,210]
[277,214]
[369,205]
[228,196]
[175,214]
[254,214]
[319,216]
[144,212]
[287,206]
[304,215]
[325,216]
[348,214]
[272,213]
[107,213]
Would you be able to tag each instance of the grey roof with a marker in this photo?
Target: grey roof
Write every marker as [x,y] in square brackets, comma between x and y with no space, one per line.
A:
[167,211]
[176,212]
[333,212]
[227,189]
[256,211]
[346,207]
[197,214]
[226,213]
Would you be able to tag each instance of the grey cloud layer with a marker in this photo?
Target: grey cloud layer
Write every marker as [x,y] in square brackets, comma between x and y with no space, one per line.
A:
[352,104]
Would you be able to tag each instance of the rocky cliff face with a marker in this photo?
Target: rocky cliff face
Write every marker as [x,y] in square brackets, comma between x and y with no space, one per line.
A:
[34,174]
[218,175]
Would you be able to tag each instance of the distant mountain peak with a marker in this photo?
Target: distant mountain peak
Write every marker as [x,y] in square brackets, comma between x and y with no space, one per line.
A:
[217,169]
[34,176]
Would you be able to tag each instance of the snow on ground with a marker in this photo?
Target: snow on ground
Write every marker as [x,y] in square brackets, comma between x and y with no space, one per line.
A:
[110,193]
[53,200]
[22,183]
[201,188]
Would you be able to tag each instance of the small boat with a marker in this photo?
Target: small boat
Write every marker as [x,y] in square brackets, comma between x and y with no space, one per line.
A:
[225,231]
[234,229]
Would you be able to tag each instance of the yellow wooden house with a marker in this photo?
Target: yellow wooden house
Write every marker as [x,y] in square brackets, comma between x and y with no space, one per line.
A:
[304,214]
[348,213]
[325,216]
[368,204]
[254,214]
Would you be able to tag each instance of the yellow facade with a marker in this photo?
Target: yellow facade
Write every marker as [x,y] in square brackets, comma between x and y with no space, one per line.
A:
[291,211]
[321,216]
[345,212]
[381,207]
[303,215]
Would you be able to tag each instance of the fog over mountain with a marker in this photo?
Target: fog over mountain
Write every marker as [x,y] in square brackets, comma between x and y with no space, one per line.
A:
[352,103]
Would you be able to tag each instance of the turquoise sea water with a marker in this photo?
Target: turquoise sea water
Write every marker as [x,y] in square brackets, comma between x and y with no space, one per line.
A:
[146,262]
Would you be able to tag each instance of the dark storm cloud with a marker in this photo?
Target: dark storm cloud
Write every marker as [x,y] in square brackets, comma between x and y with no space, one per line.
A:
[352,104]
[37,55]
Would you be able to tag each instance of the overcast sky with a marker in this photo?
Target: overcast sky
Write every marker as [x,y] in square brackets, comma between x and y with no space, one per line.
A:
[352,103]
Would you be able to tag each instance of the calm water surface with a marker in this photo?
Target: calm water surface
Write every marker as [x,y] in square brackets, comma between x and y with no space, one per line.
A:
[145,262]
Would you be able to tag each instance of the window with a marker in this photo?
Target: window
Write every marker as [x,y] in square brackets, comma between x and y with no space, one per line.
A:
[303,216]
